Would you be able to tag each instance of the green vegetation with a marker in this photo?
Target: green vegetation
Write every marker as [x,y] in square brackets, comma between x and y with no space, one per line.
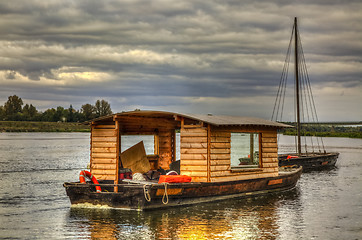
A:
[327,131]
[13,110]
[22,126]
[14,117]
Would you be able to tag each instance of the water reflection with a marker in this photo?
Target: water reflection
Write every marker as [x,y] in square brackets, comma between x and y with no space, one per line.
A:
[253,218]
[34,205]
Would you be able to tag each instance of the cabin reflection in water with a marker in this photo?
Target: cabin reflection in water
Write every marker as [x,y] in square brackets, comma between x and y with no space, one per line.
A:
[239,219]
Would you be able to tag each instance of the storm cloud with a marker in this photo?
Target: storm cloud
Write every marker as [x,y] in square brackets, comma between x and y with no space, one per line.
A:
[221,57]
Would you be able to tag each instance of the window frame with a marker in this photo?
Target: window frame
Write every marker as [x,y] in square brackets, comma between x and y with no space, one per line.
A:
[155,142]
[249,167]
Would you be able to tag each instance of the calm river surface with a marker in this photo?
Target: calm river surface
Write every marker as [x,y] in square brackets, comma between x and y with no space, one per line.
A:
[34,205]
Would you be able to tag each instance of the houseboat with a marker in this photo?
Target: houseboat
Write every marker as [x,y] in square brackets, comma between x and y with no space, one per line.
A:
[220,157]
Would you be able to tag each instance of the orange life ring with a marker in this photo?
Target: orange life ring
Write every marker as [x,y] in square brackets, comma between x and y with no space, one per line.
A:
[86,173]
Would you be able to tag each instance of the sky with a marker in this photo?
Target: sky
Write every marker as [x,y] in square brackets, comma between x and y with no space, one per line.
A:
[219,57]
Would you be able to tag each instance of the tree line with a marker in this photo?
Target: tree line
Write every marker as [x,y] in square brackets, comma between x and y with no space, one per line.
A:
[13,110]
[326,131]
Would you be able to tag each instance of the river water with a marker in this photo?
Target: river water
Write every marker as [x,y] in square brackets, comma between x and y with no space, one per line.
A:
[34,205]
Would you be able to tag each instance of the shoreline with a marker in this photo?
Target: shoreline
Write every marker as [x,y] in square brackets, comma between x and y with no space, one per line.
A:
[329,134]
[24,126]
[349,132]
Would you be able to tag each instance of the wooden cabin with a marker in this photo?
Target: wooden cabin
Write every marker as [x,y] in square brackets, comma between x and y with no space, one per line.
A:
[212,148]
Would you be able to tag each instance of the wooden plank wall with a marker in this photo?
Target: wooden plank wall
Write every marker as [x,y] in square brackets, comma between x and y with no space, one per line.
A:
[143,125]
[220,154]
[193,152]
[194,155]
[269,152]
[103,152]
[166,148]
[221,157]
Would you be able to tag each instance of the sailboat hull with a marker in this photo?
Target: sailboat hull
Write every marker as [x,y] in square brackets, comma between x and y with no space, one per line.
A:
[310,161]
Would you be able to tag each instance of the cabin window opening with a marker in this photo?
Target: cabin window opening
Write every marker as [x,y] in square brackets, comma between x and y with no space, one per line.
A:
[178,144]
[245,150]
[128,141]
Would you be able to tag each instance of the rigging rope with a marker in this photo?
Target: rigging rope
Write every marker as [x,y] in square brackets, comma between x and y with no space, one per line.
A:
[282,85]
[307,105]
[309,100]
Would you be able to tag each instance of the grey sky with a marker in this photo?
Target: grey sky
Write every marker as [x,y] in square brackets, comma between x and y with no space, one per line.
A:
[221,57]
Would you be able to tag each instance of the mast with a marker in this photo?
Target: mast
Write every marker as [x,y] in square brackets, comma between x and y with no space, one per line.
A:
[297,84]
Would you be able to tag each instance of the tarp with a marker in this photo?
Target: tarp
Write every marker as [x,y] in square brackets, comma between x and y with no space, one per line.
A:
[174,179]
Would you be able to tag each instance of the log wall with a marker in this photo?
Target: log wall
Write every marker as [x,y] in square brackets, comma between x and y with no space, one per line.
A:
[269,151]
[206,155]
[103,152]
[221,157]
[193,152]
[220,154]
[166,148]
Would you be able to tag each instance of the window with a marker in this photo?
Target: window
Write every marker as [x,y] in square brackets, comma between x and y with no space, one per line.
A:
[128,141]
[244,150]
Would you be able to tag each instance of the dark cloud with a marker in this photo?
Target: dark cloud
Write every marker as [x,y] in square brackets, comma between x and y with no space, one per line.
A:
[187,55]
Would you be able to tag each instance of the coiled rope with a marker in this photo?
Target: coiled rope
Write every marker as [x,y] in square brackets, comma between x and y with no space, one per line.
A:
[147,194]
[165,194]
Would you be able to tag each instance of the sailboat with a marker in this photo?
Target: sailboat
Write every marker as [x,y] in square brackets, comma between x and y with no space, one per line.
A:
[312,155]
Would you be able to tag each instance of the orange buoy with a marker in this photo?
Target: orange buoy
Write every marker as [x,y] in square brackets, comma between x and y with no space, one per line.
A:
[87,174]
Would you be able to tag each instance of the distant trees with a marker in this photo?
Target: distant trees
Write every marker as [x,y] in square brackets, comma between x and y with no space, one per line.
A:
[326,131]
[88,111]
[102,108]
[29,111]
[2,113]
[13,107]
[13,111]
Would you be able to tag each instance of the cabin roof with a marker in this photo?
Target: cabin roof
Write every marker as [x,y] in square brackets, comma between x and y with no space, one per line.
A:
[216,120]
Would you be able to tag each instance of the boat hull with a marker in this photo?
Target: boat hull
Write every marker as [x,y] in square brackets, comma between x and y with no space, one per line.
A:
[310,162]
[134,196]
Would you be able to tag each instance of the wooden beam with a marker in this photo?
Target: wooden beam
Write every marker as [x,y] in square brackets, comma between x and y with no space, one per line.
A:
[194,163]
[193,150]
[182,123]
[118,152]
[104,150]
[91,145]
[177,117]
[104,133]
[103,161]
[156,144]
[200,145]
[261,155]
[104,126]
[173,144]
[208,153]
[103,155]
